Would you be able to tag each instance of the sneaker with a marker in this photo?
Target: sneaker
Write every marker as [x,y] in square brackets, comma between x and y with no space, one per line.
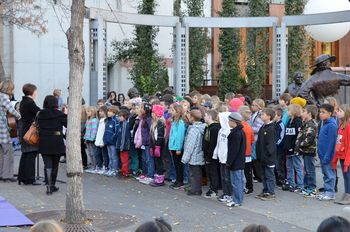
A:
[260,195]
[248,191]
[310,194]
[140,177]
[111,173]
[232,204]
[211,194]
[326,198]
[268,197]
[146,180]
[297,190]
[223,198]
[90,170]
[287,187]
[177,185]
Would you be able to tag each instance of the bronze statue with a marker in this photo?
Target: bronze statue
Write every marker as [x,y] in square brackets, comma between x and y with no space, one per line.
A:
[293,88]
[323,81]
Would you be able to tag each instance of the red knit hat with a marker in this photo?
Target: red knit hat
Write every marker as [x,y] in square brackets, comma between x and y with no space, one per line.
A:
[158,110]
[235,103]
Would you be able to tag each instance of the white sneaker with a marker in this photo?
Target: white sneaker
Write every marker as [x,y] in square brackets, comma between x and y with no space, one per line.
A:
[232,204]
[90,170]
[326,198]
[146,180]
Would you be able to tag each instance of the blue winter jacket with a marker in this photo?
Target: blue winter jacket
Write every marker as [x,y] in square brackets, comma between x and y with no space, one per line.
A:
[327,138]
[177,135]
[111,132]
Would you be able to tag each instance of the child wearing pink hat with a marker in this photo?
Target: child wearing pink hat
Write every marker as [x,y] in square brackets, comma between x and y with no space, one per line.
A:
[235,103]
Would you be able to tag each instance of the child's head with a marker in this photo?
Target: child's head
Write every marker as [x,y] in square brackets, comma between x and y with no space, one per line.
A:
[210,116]
[195,115]
[334,224]
[284,100]
[245,112]
[267,115]
[100,103]
[91,112]
[186,104]
[278,113]
[135,109]
[299,101]
[294,111]
[167,100]
[159,225]
[343,113]
[196,99]
[257,105]
[102,112]
[234,119]
[177,111]
[309,112]
[157,111]
[123,115]
[228,97]
[332,101]
[215,99]
[46,226]
[326,111]
[235,103]
[146,109]
[112,111]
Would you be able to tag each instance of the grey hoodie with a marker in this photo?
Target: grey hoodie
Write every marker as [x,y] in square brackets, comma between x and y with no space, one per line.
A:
[193,153]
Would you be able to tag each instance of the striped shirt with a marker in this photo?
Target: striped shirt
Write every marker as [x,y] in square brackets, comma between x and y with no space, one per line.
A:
[6,106]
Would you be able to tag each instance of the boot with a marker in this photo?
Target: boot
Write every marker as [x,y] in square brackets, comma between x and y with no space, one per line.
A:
[345,200]
[53,180]
[158,180]
[48,172]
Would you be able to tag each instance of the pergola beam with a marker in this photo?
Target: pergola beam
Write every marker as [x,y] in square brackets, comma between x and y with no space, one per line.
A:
[317,19]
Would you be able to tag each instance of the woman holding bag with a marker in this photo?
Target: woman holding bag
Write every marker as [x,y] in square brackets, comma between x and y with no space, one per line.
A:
[28,110]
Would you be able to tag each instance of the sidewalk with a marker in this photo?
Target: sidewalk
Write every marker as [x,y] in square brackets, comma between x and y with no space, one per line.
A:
[289,212]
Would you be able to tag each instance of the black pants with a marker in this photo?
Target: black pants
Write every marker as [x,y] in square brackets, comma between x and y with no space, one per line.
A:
[51,162]
[26,169]
[248,172]
[179,167]
[196,178]
[257,170]
[225,180]
[139,156]
[83,153]
[213,174]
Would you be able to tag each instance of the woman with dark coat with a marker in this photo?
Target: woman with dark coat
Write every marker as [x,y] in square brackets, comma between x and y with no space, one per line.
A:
[51,145]
[28,109]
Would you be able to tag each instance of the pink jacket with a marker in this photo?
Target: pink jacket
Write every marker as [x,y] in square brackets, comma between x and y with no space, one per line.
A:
[138,136]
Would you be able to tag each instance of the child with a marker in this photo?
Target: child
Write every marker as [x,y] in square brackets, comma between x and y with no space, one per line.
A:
[101,154]
[266,154]
[123,141]
[176,141]
[110,139]
[193,154]
[209,142]
[135,154]
[220,153]
[146,112]
[293,159]
[100,102]
[157,143]
[236,158]
[341,151]
[90,135]
[305,145]
[280,170]
[284,101]
[326,142]
[249,136]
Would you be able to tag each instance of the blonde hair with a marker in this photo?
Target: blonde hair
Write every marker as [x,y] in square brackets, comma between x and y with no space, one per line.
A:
[46,226]
[93,111]
[344,121]
[243,110]
[260,103]
[154,125]
[56,92]
[295,110]
[179,110]
[7,87]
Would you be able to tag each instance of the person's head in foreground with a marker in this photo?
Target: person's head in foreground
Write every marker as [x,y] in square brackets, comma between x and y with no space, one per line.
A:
[256,228]
[334,224]
[158,225]
[46,226]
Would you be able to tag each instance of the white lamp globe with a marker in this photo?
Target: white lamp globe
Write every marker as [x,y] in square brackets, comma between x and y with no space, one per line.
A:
[327,32]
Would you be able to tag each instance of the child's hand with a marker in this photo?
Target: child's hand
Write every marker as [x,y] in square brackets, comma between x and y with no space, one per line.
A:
[178,152]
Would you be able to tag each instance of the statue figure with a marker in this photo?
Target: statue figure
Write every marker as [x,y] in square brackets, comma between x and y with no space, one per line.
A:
[293,88]
[323,81]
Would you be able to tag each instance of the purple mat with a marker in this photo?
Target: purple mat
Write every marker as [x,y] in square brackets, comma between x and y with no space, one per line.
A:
[10,216]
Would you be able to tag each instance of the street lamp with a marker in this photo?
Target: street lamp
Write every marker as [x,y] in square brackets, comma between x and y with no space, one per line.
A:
[327,32]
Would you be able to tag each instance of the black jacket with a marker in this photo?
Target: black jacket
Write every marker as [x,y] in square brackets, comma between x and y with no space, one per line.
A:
[292,130]
[160,141]
[266,148]
[28,110]
[236,143]
[209,140]
[50,123]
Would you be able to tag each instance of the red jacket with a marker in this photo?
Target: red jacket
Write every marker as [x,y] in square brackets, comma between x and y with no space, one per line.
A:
[249,135]
[342,150]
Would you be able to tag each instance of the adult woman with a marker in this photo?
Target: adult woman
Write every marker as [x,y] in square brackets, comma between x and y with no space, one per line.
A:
[6,151]
[51,145]
[111,98]
[28,110]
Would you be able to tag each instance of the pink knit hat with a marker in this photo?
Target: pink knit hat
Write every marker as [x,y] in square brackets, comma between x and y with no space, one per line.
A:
[235,103]
[158,110]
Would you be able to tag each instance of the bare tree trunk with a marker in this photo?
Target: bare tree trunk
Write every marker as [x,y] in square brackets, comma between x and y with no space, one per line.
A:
[74,196]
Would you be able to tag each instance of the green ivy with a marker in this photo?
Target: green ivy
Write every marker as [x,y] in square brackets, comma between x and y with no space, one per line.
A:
[297,41]
[230,49]
[257,56]
[198,46]
[148,72]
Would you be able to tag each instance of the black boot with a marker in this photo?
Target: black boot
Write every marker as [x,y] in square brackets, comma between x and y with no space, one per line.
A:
[48,172]
[336,185]
[53,180]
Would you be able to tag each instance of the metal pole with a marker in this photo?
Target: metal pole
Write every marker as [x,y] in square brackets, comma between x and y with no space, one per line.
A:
[177,77]
[274,60]
[187,58]
[284,54]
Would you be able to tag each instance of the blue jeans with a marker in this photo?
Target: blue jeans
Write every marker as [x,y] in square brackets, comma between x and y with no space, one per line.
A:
[100,155]
[268,179]
[113,158]
[310,172]
[329,178]
[149,160]
[253,155]
[346,176]
[237,182]
[295,163]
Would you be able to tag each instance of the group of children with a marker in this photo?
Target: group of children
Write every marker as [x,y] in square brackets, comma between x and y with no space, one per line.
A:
[187,140]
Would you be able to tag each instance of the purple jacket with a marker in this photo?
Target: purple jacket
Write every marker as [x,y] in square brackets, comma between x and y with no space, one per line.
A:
[146,130]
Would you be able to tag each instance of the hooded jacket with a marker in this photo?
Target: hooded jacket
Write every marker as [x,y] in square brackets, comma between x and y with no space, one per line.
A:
[327,139]
[266,145]
[177,135]
[292,130]
[236,148]
[306,140]
[220,151]
[193,153]
[111,131]
[210,139]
